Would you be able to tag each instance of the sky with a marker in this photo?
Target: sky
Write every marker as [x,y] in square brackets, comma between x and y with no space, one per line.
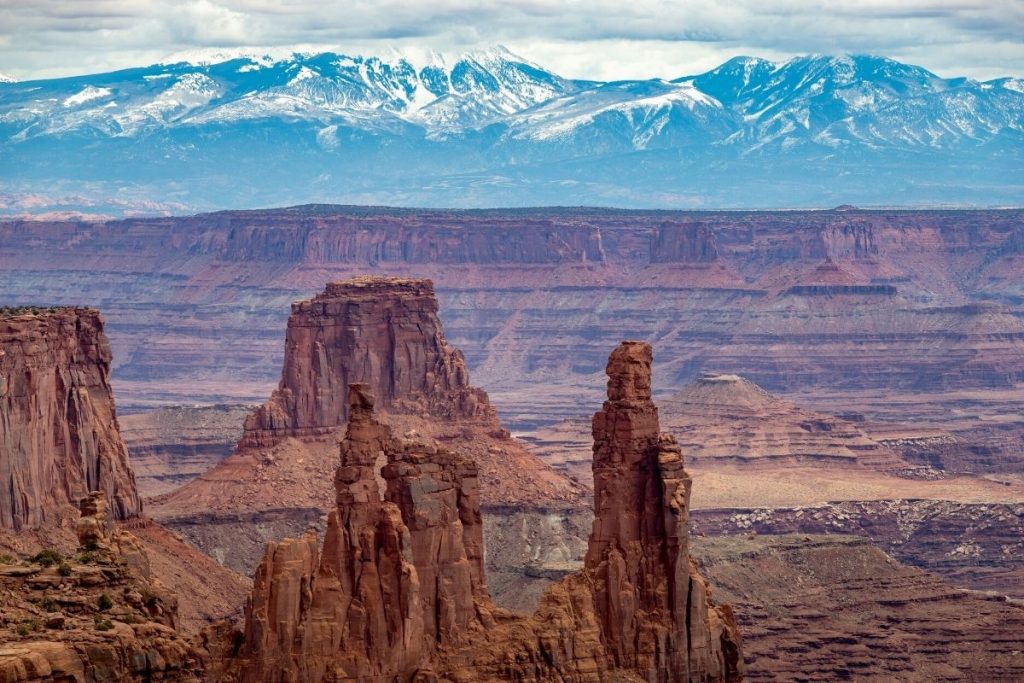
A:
[595,39]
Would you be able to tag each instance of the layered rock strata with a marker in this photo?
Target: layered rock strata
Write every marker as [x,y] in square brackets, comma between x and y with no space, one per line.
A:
[836,608]
[171,446]
[397,592]
[59,435]
[979,545]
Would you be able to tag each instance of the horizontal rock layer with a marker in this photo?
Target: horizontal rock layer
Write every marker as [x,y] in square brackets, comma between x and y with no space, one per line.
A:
[826,608]
[196,303]
[980,546]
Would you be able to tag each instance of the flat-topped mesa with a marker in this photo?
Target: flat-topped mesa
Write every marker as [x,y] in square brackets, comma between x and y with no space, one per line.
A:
[59,436]
[654,608]
[381,331]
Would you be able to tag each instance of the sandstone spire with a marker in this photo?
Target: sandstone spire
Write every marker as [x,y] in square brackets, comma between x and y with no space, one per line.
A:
[652,604]
[398,592]
[400,575]
[59,438]
[382,331]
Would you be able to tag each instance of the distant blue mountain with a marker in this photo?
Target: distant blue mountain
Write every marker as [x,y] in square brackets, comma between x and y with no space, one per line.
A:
[492,129]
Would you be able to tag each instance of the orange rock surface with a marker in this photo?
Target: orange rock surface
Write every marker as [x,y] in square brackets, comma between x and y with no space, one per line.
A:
[58,428]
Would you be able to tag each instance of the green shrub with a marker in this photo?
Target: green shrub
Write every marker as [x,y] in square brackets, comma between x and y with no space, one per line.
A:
[28,626]
[103,624]
[49,604]
[87,557]
[47,558]
[6,559]
[64,569]
[105,602]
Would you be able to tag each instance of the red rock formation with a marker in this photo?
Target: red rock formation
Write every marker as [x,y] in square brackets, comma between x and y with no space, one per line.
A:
[99,616]
[382,331]
[726,419]
[652,604]
[400,575]
[684,243]
[59,436]
[398,592]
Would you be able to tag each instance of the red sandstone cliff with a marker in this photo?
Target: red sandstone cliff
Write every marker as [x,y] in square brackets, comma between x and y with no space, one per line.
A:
[63,465]
[397,592]
[59,437]
[652,603]
[381,331]
[384,332]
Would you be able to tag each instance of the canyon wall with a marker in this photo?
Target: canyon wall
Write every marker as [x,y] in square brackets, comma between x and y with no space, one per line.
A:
[58,426]
[398,592]
[899,315]
[975,545]
[831,608]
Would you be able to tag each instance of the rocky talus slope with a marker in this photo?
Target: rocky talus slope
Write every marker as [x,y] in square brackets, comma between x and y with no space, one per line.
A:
[100,615]
[58,433]
[397,591]
[830,608]
[384,332]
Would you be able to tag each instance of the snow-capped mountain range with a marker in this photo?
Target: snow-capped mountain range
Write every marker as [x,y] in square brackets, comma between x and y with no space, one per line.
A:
[489,127]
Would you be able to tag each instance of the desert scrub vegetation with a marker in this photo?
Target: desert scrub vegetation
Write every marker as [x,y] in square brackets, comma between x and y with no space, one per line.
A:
[11,311]
[47,558]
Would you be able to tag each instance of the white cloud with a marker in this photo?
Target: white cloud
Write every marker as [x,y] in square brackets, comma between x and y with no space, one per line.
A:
[588,39]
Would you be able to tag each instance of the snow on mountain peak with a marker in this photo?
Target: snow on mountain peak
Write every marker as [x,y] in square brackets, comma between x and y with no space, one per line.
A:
[86,94]
[747,101]
[260,56]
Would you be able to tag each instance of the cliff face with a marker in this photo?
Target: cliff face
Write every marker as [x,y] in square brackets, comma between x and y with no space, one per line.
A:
[400,575]
[58,427]
[838,308]
[398,593]
[382,331]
